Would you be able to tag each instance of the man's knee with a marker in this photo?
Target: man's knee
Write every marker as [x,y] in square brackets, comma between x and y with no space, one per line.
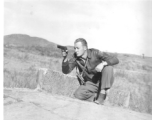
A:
[77,94]
[108,69]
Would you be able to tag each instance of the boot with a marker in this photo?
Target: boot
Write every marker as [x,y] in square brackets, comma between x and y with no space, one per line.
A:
[100,99]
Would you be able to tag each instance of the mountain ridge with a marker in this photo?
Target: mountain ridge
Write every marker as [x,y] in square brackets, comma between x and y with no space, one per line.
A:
[26,40]
[29,41]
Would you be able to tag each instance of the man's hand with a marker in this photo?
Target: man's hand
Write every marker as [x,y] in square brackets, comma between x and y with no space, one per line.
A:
[101,66]
[64,54]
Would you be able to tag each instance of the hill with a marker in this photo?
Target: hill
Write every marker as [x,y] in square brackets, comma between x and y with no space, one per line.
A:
[36,45]
[40,46]
[26,40]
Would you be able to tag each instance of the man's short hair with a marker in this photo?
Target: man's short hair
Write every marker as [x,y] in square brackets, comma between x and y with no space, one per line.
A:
[82,40]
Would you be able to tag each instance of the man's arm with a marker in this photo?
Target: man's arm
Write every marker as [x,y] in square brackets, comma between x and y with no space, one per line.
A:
[99,67]
[68,65]
[109,59]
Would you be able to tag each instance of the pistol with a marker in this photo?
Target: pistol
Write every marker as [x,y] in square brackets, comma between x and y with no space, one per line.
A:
[64,48]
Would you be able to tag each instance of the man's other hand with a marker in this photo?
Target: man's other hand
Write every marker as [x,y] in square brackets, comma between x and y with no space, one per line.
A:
[100,66]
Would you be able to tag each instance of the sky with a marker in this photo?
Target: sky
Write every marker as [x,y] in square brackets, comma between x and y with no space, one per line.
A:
[121,26]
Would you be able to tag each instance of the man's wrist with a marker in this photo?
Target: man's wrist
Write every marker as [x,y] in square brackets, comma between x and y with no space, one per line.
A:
[65,62]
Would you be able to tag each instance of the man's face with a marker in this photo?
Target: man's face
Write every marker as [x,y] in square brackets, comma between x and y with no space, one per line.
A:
[79,49]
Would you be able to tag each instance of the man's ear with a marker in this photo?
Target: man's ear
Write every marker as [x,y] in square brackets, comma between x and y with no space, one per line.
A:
[85,47]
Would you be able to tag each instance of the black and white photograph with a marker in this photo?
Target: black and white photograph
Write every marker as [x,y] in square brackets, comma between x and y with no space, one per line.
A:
[77,60]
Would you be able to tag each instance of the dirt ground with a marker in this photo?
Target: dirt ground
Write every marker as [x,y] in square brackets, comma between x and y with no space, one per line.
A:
[26,104]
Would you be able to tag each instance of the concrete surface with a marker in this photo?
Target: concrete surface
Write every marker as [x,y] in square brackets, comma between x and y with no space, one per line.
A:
[26,104]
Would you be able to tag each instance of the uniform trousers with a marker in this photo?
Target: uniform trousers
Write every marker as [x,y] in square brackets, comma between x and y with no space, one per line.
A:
[89,91]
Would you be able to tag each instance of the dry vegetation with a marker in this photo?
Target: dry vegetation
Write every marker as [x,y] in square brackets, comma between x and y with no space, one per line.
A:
[133,76]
